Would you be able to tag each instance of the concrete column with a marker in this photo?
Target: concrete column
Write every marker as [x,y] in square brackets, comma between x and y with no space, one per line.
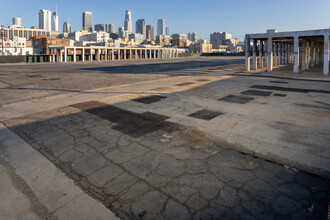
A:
[57,55]
[61,55]
[119,54]
[304,56]
[255,63]
[326,55]
[247,53]
[106,54]
[98,54]
[150,54]
[312,54]
[261,50]
[124,54]
[65,54]
[266,53]
[296,55]
[53,55]
[279,54]
[282,54]
[275,54]
[74,55]
[317,54]
[83,55]
[112,54]
[285,50]
[270,55]
[308,52]
[91,55]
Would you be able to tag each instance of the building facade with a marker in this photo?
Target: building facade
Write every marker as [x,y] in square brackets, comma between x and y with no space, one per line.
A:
[200,48]
[55,21]
[137,37]
[179,40]
[87,21]
[66,27]
[161,27]
[163,40]
[150,32]
[110,28]
[141,28]
[99,27]
[45,19]
[220,38]
[41,44]
[24,32]
[17,21]
[128,21]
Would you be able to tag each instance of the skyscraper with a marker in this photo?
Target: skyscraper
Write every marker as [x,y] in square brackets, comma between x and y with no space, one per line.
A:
[167,31]
[141,28]
[161,27]
[87,21]
[110,28]
[66,27]
[55,21]
[45,19]
[150,32]
[99,27]
[128,21]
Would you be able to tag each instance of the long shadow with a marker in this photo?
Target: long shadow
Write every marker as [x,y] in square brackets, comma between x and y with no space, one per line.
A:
[163,67]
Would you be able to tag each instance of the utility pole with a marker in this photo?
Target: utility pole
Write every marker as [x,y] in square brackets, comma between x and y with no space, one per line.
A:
[2,36]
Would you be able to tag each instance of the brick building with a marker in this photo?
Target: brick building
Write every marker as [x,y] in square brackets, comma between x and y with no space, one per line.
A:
[42,43]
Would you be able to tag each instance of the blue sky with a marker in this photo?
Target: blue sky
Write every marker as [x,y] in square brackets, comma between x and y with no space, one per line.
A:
[182,16]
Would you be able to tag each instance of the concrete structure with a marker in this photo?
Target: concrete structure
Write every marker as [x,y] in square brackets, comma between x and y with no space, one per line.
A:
[17,21]
[24,32]
[16,46]
[96,53]
[55,21]
[163,40]
[42,43]
[66,27]
[161,27]
[87,21]
[97,37]
[45,19]
[167,31]
[99,27]
[150,32]
[302,49]
[128,21]
[200,48]
[218,38]
[110,28]
[138,38]
[141,28]
[179,40]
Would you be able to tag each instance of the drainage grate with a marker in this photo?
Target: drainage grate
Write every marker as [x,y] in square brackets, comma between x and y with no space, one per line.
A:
[205,114]
[236,99]
[127,122]
[256,92]
[150,99]
[184,84]
[280,94]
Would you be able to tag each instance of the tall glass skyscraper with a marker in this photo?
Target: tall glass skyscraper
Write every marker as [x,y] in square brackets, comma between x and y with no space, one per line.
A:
[128,21]
[87,21]
[161,27]
[141,28]
[45,19]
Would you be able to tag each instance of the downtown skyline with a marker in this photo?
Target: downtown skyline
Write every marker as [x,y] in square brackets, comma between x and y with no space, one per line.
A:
[183,18]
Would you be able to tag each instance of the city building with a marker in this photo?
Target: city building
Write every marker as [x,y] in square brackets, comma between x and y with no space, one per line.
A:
[45,19]
[128,22]
[55,21]
[24,32]
[150,32]
[141,28]
[110,28]
[66,27]
[16,46]
[200,48]
[97,37]
[123,33]
[218,38]
[161,27]
[137,37]
[179,40]
[42,43]
[17,22]
[167,31]
[87,21]
[163,40]
[99,27]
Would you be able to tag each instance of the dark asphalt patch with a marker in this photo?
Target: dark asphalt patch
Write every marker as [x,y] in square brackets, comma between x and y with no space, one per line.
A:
[205,114]
[256,93]
[185,84]
[202,80]
[288,89]
[236,99]
[34,76]
[280,94]
[149,99]
[280,82]
[127,122]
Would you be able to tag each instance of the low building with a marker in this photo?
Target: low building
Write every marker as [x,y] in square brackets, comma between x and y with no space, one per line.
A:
[179,40]
[26,33]
[200,48]
[163,40]
[16,46]
[138,38]
[41,44]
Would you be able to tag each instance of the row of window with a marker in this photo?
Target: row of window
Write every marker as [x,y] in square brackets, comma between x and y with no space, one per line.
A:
[26,34]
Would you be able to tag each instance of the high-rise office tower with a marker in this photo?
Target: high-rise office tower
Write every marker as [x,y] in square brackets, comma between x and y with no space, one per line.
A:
[128,21]
[45,19]
[141,28]
[87,21]
[150,32]
[194,37]
[17,21]
[161,27]
[110,28]
[99,27]
[167,31]
[66,27]
[55,21]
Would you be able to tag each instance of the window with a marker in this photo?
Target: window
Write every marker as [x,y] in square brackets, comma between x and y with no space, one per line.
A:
[25,34]
[15,33]
[20,33]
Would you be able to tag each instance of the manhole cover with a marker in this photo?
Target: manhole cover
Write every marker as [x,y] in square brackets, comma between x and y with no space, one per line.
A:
[236,99]
[150,99]
[256,92]
[205,114]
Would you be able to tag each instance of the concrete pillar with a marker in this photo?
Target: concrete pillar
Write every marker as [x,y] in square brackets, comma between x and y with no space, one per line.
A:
[255,63]
[326,55]
[125,54]
[106,54]
[119,54]
[74,55]
[282,54]
[266,53]
[296,55]
[83,55]
[261,50]
[65,54]
[91,55]
[57,55]
[313,54]
[150,54]
[112,54]
[270,55]
[247,53]
[61,55]
[317,54]
[285,54]
[308,52]
[53,55]
[275,54]
[304,56]
[279,54]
